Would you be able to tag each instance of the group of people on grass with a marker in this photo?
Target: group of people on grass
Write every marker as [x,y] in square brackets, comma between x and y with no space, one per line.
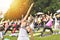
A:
[27,25]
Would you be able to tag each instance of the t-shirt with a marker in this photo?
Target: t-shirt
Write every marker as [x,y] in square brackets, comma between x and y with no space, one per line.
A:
[49,23]
[14,25]
[32,26]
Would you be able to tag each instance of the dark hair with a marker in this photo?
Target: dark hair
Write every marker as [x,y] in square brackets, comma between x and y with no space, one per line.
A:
[1,28]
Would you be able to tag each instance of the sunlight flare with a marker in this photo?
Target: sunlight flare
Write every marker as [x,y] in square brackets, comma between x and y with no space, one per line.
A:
[5,5]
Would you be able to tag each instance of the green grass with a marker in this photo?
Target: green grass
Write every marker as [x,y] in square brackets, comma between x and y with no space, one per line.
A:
[52,37]
[11,38]
[37,37]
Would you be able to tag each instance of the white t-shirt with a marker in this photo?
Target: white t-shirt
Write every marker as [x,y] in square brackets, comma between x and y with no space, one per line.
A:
[32,26]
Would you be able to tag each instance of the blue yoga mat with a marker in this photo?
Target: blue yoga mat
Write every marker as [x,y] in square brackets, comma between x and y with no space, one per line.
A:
[6,39]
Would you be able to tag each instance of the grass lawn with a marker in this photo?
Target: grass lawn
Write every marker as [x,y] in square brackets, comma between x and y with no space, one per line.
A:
[52,37]
[37,37]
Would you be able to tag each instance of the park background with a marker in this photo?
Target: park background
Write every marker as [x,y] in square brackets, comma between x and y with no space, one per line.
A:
[20,7]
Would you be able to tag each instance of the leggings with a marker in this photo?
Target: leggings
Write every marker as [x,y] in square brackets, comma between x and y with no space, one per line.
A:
[46,27]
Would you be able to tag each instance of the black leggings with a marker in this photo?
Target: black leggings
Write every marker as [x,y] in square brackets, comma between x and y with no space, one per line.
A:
[8,29]
[45,29]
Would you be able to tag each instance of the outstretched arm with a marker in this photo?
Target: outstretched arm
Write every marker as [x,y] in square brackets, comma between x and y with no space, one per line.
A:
[26,16]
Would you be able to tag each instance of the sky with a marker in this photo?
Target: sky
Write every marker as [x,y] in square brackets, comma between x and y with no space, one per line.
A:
[5,5]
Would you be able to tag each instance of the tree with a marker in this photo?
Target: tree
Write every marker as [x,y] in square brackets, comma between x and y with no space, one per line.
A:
[40,6]
[17,9]
[45,6]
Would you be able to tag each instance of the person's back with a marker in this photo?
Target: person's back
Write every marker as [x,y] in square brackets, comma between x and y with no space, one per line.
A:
[23,32]
[49,23]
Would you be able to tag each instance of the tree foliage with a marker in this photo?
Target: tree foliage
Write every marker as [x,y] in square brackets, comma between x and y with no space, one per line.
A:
[20,7]
[45,6]
[17,9]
